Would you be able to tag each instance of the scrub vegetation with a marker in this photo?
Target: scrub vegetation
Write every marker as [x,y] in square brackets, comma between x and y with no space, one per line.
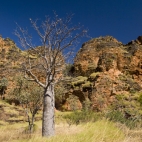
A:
[74,126]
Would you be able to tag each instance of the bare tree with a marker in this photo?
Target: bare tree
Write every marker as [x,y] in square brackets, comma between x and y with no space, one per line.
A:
[58,38]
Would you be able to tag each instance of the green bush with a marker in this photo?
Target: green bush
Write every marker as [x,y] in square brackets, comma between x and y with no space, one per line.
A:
[77,117]
[73,102]
[126,109]
[86,105]
[79,80]
[94,75]
[118,116]
[3,82]
[88,84]
[68,70]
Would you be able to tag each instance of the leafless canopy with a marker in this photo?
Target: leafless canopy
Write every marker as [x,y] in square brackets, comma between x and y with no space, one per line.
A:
[58,38]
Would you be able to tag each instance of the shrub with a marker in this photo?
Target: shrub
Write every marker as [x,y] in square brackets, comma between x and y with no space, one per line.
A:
[94,75]
[68,71]
[79,80]
[82,116]
[73,102]
[88,84]
[118,116]
[126,109]
[3,86]
[86,105]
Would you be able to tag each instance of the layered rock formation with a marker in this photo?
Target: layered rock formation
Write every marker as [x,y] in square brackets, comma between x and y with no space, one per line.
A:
[10,57]
[105,69]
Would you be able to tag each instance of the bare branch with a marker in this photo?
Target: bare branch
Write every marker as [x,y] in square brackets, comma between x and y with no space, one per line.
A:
[57,36]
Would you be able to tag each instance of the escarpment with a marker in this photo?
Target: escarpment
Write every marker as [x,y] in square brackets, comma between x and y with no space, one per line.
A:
[106,70]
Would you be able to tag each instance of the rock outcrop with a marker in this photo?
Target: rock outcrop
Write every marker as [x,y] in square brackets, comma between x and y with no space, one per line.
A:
[105,69]
[104,72]
[10,59]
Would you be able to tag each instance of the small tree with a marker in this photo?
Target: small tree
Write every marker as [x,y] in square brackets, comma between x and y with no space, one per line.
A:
[3,86]
[58,37]
[30,97]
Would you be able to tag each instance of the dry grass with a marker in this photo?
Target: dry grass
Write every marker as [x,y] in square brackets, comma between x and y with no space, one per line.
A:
[99,131]
[134,136]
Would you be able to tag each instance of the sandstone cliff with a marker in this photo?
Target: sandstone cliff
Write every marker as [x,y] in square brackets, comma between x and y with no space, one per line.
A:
[11,58]
[106,70]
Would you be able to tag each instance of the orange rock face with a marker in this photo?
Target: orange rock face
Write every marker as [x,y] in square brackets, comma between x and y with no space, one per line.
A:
[119,67]
[110,68]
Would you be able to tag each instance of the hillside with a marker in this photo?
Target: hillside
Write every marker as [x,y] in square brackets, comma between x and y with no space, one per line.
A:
[106,78]
[107,73]
[10,56]
[104,69]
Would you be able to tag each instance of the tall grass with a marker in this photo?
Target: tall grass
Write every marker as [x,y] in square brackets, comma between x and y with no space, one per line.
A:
[79,126]
[100,131]
[118,116]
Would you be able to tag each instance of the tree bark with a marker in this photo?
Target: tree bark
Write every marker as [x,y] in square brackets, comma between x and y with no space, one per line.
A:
[48,126]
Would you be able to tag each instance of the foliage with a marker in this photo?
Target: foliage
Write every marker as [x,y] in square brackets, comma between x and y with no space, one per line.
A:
[86,105]
[93,75]
[60,90]
[78,81]
[3,86]
[88,84]
[126,109]
[73,102]
[30,97]
[118,116]
[58,38]
[3,82]
[83,116]
[68,71]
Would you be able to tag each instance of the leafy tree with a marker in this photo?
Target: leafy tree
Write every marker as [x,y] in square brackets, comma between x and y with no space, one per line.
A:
[29,95]
[58,38]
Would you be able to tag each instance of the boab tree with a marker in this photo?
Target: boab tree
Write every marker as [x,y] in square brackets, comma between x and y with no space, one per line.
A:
[44,65]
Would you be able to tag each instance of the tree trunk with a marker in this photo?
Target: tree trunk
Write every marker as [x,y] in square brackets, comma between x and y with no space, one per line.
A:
[48,128]
[32,123]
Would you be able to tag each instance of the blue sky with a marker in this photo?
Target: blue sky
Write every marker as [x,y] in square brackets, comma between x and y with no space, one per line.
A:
[121,19]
